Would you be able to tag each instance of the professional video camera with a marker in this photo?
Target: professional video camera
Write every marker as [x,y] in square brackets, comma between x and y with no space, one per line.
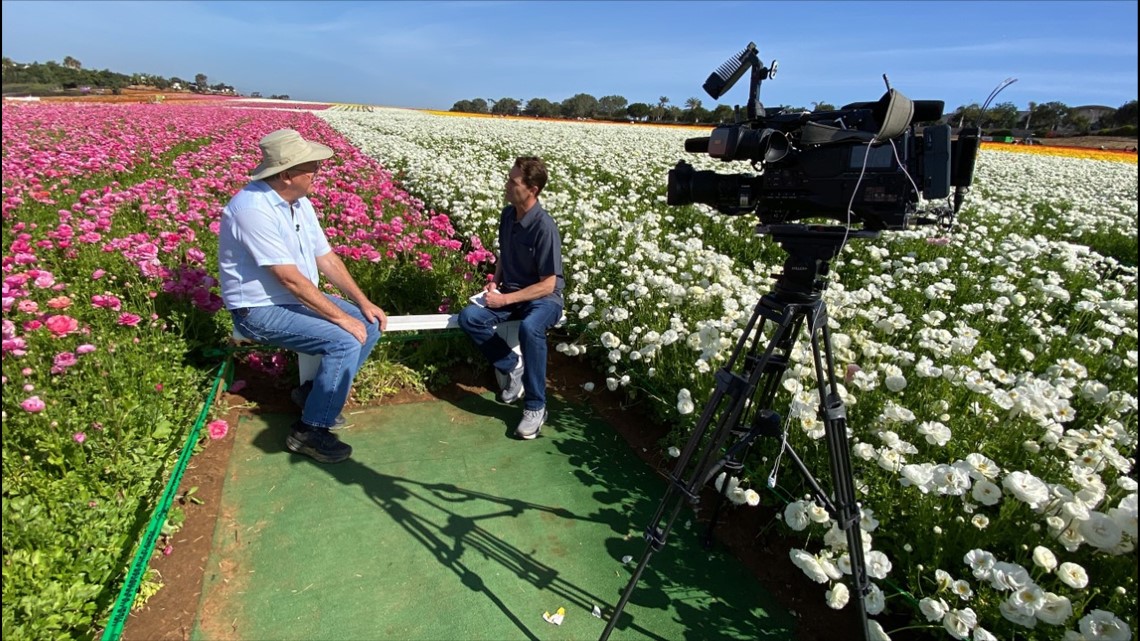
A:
[862,164]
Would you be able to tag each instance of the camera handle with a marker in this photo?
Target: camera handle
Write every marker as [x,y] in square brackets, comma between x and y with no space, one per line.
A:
[754,374]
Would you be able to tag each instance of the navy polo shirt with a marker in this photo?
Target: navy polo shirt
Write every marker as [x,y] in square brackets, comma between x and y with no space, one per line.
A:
[529,249]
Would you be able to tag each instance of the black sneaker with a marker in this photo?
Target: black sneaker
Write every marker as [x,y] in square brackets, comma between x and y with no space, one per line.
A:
[301,394]
[320,444]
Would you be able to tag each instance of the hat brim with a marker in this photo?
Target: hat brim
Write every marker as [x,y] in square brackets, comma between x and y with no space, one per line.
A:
[316,151]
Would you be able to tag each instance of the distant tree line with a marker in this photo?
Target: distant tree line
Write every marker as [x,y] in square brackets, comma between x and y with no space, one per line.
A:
[70,76]
[1041,117]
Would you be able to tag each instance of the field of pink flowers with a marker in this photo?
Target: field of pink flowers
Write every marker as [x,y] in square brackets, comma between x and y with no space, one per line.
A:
[110,215]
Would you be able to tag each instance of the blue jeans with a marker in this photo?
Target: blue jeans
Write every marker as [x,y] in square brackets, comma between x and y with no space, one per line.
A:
[298,328]
[536,317]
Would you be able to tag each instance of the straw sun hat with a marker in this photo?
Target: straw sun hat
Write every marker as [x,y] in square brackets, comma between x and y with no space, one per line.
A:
[286,148]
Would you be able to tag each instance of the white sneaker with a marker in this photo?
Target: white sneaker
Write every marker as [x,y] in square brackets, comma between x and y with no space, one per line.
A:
[531,423]
[511,384]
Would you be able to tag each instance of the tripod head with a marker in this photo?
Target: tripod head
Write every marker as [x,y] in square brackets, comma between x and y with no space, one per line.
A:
[811,249]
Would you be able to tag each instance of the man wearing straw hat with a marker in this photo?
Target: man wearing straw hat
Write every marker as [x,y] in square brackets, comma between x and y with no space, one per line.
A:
[271,254]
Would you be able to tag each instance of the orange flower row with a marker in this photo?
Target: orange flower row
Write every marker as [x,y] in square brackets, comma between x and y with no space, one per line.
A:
[1115,155]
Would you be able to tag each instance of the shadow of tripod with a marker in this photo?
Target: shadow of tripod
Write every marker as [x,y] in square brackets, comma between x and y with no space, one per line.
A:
[741,403]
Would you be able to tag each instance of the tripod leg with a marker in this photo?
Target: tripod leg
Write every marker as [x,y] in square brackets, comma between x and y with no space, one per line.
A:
[770,366]
[846,509]
[726,406]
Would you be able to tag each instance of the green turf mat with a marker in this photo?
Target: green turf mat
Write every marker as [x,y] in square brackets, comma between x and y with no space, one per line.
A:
[442,526]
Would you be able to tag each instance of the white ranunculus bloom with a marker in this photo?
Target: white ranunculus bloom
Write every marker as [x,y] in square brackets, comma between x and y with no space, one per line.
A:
[933,609]
[935,432]
[982,634]
[1028,599]
[1014,614]
[959,622]
[719,483]
[1125,515]
[878,564]
[1100,531]
[809,565]
[875,600]
[1073,575]
[895,383]
[1100,625]
[685,402]
[943,579]
[982,466]
[981,562]
[986,493]
[817,513]
[1028,488]
[1008,576]
[796,516]
[920,475]
[1054,610]
[876,632]
[1043,557]
[837,596]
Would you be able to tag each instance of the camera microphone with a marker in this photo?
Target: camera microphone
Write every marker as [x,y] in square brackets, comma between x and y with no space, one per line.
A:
[697,145]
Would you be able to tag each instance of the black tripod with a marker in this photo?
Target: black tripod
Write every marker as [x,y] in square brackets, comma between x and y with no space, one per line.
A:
[741,402]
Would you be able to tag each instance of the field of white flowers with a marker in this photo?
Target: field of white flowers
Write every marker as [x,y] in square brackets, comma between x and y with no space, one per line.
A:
[990,373]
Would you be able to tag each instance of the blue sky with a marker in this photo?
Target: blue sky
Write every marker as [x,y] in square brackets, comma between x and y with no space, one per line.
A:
[432,54]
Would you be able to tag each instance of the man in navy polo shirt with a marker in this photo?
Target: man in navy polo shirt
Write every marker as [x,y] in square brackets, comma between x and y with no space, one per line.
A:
[527,287]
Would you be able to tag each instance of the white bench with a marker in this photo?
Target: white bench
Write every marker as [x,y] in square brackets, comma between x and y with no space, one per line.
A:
[307,364]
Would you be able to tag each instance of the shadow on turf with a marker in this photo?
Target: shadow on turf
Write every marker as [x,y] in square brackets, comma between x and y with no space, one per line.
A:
[680,575]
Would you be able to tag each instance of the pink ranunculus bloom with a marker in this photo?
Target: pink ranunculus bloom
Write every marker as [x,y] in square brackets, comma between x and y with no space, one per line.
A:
[44,280]
[98,273]
[237,386]
[15,346]
[940,240]
[217,429]
[61,325]
[79,437]
[168,550]
[59,302]
[85,348]
[195,255]
[128,319]
[33,404]
[27,306]
[107,301]
[65,360]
